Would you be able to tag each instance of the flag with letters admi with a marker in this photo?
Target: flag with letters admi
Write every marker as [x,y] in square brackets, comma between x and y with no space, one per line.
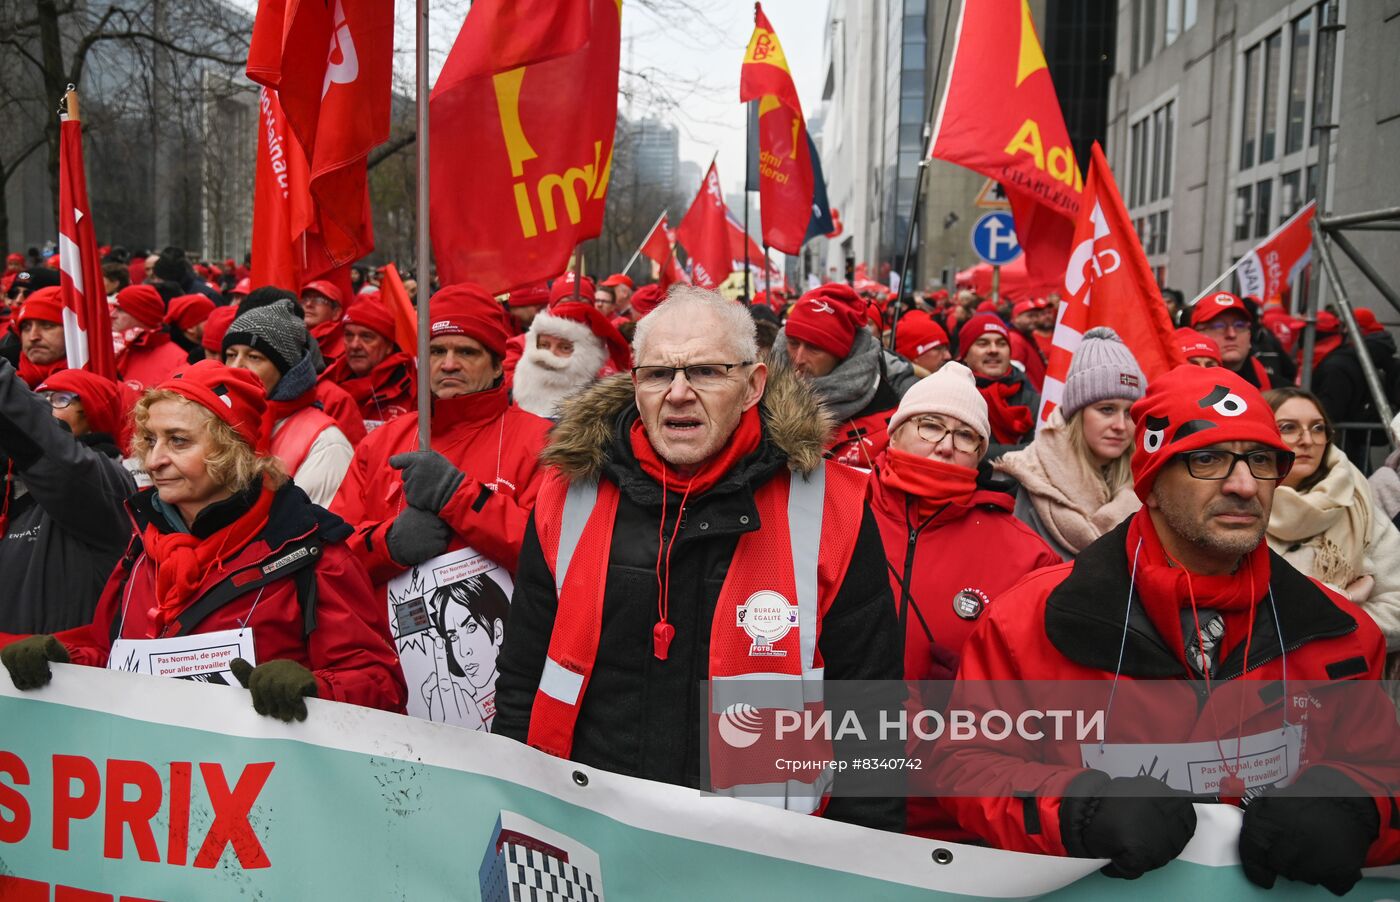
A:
[705,233]
[87,323]
[1000,116]
[522,122]
[1108,282]
[785,183]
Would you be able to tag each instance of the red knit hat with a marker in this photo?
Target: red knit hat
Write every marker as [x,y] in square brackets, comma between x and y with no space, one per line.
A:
[1194,344]
[617,279]
[1367,322]
[15,258]
[45,304]
[325,289]
[235,396]
[143,303]
[1209,308]
[1193,407]
[563,289]
[216,327]
[468,309]
[371,313]
[918,334]
[568,316]
[188,311]
[242,288]
[827,318]
[645,299]
[978,326]
[105,403]
[530,296]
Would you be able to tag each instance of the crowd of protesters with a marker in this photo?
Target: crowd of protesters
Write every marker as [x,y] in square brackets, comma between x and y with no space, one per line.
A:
[868,487]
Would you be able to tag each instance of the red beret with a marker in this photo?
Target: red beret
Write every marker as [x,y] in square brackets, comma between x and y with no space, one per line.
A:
[978,326]
[1193,407]
[46,304]
[235,396]
[645,299]
[371,313]
[188,311]
[468,309]
[143,303]
[216,327]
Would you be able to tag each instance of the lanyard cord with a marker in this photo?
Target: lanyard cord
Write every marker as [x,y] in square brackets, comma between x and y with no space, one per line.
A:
[1122,646]
[664,632]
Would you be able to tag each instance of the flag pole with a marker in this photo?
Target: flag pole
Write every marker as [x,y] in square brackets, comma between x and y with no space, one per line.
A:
[767,276]
[919,179]
[644,241]
[578,271]
[748,136]
[425,271]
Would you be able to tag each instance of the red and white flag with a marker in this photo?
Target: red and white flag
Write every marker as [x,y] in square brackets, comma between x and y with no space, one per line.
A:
[1271,267]
[705,233]
[660,248]
[1108,283]
[87,323]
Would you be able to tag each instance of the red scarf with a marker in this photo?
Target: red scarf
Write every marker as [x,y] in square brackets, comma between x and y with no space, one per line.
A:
[1009,422]
[277,411]
[741,443]
[182,560]
[385,381]
[930,484]
[1168,590]
[34,374]
[148,339]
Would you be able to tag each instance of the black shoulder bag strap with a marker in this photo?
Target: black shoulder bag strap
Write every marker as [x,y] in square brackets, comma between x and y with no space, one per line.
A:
[297,560]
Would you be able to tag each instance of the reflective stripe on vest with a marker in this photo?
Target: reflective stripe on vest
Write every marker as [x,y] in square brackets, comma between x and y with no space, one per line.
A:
[295,436]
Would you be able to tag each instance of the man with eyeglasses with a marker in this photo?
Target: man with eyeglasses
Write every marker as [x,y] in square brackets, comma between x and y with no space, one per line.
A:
[324,311]
[690,530]
[62,486]
[1186,594]
[1228,321]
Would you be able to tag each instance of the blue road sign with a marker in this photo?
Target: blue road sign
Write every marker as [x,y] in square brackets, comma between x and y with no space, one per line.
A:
[994,239]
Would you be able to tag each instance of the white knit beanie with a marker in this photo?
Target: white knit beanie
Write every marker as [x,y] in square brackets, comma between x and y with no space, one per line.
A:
[1102,369]
[952,391]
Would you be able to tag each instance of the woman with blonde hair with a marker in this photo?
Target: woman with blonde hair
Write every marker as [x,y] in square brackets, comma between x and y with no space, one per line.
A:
[1324,521]
[1075,479]
[228,555]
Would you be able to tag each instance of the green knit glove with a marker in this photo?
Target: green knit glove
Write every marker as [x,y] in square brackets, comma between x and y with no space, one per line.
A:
[28,660]
[279,688]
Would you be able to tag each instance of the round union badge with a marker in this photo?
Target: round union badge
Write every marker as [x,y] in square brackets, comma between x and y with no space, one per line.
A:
[970,603]
[766,617]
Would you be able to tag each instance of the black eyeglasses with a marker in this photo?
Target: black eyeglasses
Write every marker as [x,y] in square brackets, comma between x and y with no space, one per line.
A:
[60,399]
[701,376]
[1215,463]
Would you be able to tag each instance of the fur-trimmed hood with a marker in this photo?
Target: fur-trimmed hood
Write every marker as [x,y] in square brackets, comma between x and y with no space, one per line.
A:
[792,421]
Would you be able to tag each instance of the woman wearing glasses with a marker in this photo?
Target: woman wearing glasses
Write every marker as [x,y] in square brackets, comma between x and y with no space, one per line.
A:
[1324,521]
[951,547]
[1075,479]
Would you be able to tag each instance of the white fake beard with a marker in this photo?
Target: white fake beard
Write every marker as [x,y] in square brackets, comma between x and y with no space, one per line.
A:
[542,380]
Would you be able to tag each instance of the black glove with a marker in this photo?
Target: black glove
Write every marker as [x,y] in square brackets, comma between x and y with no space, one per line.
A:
[1317,831]
[28,660]
[429,479]
[417,535]
[279,688]
[1138,822]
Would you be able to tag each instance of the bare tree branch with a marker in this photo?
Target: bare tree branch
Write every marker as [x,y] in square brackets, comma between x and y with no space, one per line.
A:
[391,147]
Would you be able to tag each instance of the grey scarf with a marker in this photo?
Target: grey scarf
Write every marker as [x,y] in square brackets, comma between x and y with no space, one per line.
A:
[847,389]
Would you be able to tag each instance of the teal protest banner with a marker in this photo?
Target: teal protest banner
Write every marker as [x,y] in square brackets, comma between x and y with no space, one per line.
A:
[123,786]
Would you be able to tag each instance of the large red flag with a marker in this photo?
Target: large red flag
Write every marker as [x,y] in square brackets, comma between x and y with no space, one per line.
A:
[1279,259]
[705,232]
[87,323]
[523,116]
[336,103]
[1108,283]
[1000,116]
[785,180]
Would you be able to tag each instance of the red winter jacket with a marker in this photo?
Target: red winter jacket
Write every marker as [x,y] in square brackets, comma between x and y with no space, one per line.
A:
[385,392]
[946,573]
[349,650]
[1068,623]
[149,361]
[339,406]
[496,445]
[1026,352]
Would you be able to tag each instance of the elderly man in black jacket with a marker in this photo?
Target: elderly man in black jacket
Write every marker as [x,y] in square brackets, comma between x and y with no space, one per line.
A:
[691,531]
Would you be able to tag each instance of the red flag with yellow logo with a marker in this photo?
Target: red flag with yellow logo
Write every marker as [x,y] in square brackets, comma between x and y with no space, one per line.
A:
[785,181]
[1000,116]
[1108,282]
[522,121]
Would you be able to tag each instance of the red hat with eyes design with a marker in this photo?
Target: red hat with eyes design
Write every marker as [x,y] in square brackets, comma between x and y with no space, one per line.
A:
[1194,407]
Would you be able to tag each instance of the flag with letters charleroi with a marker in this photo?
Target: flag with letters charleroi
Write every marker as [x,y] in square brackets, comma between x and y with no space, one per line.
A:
[1108,282]
[1000,116]
[522,121]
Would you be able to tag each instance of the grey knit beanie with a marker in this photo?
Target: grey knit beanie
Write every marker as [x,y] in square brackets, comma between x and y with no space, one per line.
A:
[1102,369]
[277,331]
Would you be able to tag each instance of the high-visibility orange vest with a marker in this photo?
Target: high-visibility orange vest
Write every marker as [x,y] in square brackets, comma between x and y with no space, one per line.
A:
[779,586]
[292,442]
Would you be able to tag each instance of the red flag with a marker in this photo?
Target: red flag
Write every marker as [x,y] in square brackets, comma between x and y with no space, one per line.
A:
[523,116]
[705,231]
[1279,259]
[1000,116]
[336,103]
[660,248]
[1108,283]
[87,323]
[738,238]
[405,317]
[785,182]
